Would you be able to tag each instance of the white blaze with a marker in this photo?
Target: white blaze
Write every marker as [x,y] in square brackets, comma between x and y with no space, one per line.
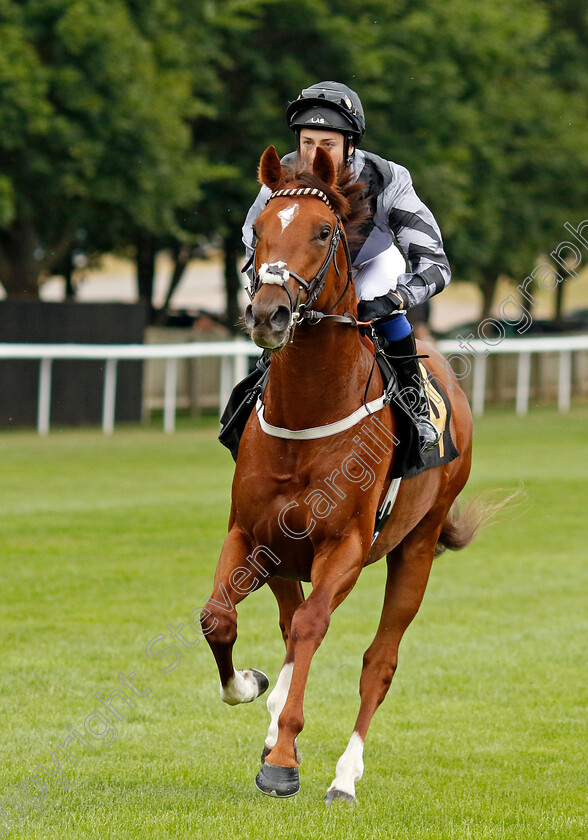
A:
[287,215]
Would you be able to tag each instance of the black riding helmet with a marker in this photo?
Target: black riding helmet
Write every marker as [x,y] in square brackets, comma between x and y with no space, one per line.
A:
[329,105]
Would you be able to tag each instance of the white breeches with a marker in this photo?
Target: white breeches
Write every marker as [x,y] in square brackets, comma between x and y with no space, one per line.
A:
[378,276]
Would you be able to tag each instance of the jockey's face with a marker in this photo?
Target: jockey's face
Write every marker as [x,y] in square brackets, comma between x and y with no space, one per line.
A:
[331,141]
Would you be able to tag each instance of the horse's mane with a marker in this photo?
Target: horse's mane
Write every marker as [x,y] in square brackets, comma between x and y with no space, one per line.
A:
[346,197]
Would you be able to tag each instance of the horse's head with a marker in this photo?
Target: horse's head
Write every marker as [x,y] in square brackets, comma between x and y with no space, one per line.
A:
[301,258]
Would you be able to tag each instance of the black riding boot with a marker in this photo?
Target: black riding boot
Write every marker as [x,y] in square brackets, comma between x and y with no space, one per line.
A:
[402,356]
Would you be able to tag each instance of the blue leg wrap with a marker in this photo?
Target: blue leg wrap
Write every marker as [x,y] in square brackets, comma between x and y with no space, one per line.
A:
[396,328]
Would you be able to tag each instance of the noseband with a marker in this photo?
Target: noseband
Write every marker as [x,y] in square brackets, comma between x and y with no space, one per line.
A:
[278,273]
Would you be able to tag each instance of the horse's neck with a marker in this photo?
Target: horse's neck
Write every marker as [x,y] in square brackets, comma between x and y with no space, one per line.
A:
[319,378]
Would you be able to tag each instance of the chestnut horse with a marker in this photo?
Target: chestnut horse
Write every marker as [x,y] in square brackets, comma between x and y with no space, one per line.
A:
[313,468]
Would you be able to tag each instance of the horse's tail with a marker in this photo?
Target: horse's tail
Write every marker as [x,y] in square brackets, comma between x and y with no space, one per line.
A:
[460,527]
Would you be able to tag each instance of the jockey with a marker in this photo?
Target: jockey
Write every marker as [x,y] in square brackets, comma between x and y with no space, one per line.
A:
[401,262]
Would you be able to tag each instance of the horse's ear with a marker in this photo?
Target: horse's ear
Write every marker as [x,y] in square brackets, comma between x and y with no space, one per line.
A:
[323,167]
[270,169]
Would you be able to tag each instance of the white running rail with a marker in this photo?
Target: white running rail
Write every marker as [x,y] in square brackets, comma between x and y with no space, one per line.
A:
[234,357]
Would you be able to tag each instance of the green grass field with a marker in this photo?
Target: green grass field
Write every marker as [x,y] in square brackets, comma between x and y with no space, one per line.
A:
[106,542]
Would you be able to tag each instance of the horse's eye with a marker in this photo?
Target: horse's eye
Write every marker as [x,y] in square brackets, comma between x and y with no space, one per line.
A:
[325,233]
[255,236]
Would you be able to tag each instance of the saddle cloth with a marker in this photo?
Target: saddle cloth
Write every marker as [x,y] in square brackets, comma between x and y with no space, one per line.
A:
[408,459]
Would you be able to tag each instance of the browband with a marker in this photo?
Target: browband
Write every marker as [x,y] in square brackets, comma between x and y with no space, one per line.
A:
[312,191]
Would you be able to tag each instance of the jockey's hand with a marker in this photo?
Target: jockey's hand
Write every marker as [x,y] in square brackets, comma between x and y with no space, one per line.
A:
[381,307]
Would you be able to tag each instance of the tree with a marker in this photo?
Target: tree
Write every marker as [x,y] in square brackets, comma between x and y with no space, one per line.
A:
[464,95]
[93,130]
[263,57]
[566,44]
[143,122]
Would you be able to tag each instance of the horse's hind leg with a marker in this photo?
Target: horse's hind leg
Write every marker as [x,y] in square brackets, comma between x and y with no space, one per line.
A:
[235,578]
[409,566]
[289,596]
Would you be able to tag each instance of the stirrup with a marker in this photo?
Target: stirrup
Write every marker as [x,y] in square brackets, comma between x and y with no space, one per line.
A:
[429,435]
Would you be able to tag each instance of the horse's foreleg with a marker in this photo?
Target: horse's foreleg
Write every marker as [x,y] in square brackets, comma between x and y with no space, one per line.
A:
[409,566]
[235,578]
[334,573]
[289,596]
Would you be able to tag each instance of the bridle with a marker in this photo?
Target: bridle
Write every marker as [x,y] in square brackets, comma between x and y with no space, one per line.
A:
[278,273]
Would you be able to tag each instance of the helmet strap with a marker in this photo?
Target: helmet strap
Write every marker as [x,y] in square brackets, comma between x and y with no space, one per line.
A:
[347,157]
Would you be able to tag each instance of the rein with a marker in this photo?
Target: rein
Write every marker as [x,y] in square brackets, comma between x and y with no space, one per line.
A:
[278,273]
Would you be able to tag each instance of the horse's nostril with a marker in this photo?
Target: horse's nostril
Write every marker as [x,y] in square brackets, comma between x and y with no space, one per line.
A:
[267,318]
[249,317]
[280,318]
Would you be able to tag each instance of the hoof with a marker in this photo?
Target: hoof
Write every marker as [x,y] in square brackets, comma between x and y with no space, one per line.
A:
[244,687]
[335,795]
[267,750]
[261,679]
[274,780]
